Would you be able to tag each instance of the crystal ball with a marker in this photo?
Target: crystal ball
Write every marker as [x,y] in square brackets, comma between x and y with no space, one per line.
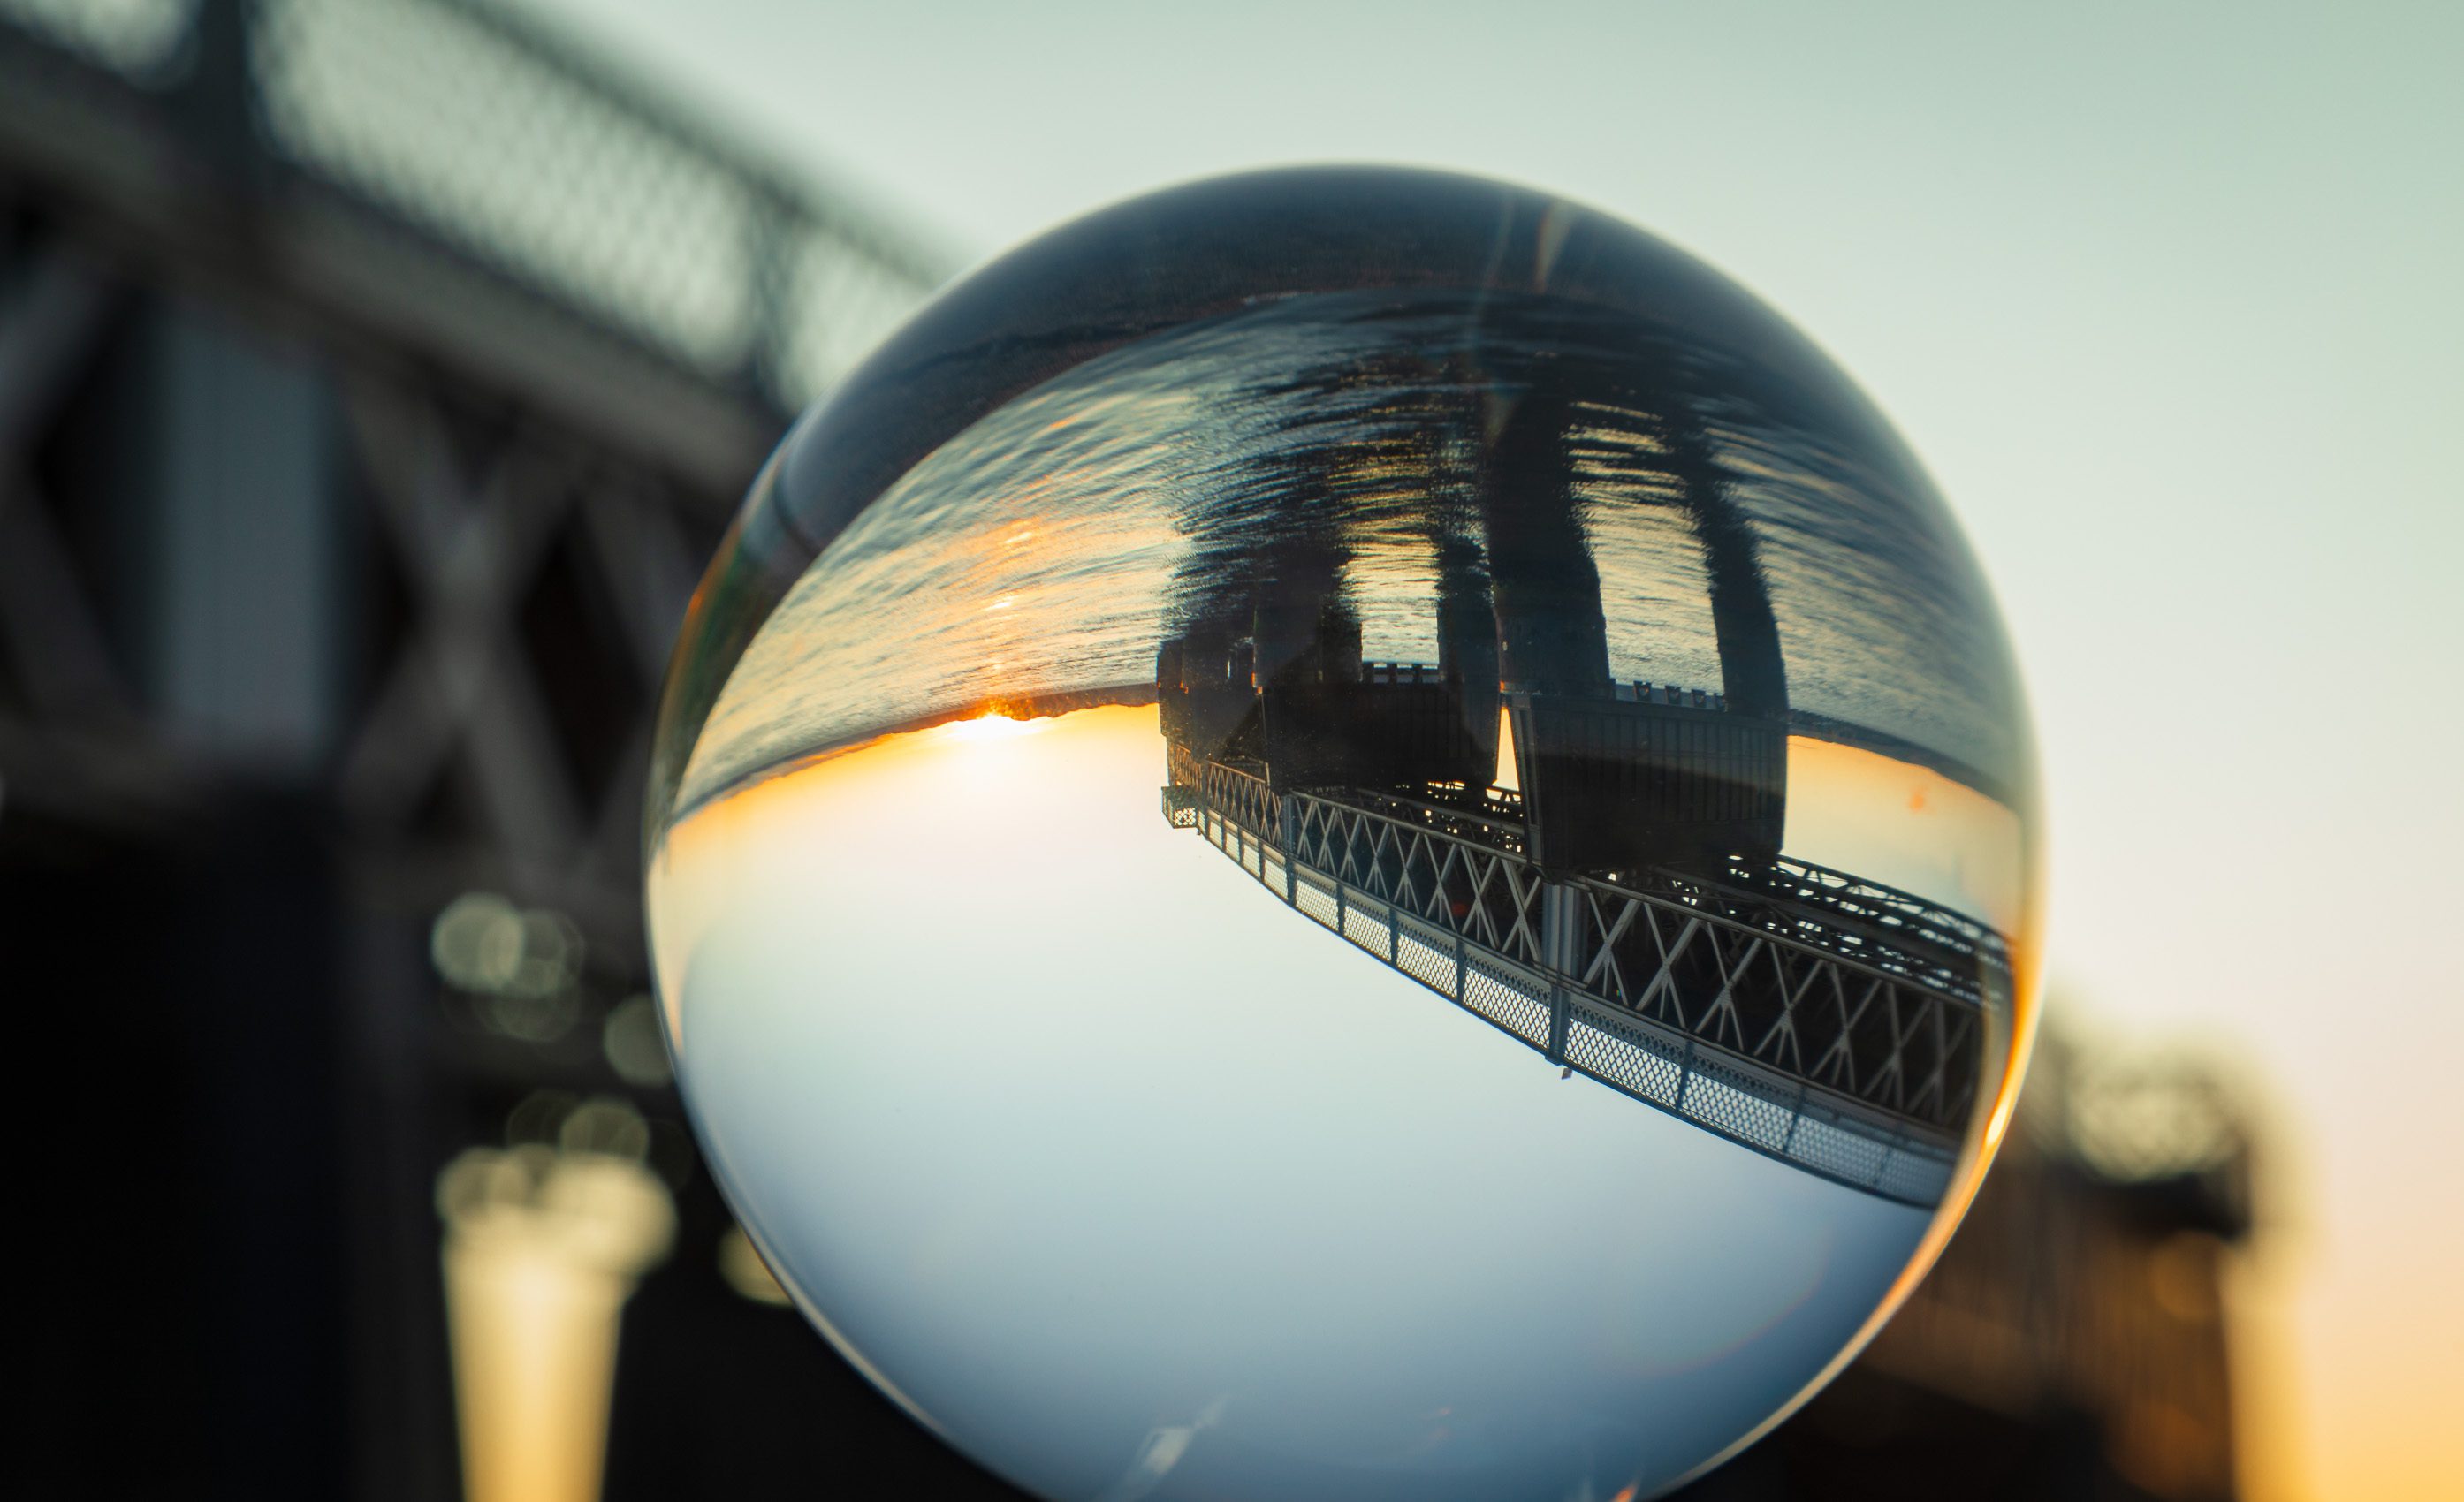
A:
[1345,833]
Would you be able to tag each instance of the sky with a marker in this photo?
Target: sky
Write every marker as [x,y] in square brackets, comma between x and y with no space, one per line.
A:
[1089,1197]
[2166,301]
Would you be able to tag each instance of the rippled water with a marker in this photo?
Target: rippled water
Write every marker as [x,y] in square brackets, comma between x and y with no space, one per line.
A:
[1048,547]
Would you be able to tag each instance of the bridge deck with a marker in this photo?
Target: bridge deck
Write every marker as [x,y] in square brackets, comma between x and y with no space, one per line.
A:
[1826,1022]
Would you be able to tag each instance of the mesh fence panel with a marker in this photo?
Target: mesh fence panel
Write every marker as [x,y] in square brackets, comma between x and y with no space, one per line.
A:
[1919,1179]
[427,110]
[1367,929]
[1721,1103]
[1508,1000]
[1624,1060]
[1431,967]
[1316,901]
[839,306]
[1828,1149]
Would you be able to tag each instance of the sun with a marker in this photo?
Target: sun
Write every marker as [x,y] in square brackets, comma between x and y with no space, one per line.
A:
[992,725]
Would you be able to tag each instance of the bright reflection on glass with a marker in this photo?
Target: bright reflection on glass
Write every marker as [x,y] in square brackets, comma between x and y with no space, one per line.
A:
[1565,987]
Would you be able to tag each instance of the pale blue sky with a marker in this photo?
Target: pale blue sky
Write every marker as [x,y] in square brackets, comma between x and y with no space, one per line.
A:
[2165,296]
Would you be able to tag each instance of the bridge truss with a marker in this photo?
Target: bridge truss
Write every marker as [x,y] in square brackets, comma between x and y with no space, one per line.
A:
[1829,1023]
[376,376]
[507,333]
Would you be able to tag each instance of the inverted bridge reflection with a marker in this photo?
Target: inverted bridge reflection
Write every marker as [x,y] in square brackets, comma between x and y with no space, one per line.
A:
[1621,904]
[1821,1020]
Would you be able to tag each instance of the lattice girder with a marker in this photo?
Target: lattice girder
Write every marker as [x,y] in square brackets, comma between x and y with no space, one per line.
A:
[1737,1015]
[1749,978]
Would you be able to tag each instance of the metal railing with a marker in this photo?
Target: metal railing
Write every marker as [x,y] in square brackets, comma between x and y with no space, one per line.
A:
[1736,1022]
[517,147]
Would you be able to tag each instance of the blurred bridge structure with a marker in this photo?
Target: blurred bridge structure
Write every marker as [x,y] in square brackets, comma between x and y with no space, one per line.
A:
[2078,1339]
[376,376]
[357,356]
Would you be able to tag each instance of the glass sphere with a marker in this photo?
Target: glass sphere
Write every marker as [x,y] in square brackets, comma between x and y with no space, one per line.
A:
[1345,833]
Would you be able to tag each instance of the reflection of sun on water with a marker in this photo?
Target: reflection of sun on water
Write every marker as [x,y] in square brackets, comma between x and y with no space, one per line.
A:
[990,725]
